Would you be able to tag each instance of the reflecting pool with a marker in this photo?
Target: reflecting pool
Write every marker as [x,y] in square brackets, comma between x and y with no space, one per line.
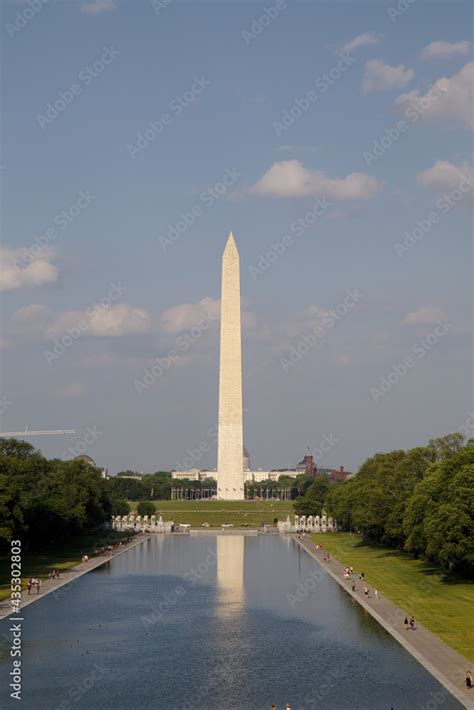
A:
[212,622]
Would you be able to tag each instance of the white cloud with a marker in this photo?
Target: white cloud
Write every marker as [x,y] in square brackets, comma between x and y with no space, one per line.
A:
[343,360]
[449,99]
[382,77]
[30,314]
[366,38]
[426,315]
[18,270]
[98,6]
[73,389]
[444,50]
[189,315]
[289,178]
[5,344]
[447,176]
[114,320]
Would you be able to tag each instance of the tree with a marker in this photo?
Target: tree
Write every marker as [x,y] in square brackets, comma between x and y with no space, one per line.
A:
[120,507]
[43,501]
[18,449]
[439,521]
[146,508]
[446,446]
[313,501]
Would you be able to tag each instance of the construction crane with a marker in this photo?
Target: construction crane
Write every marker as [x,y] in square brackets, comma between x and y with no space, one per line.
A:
[46,432]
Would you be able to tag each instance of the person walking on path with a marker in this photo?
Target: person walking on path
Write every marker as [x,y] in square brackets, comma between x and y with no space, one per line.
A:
[38,586]
[468,679]
[353,585]
[406,623]
[366,590]
[412,622]
[376,592]
[29,585]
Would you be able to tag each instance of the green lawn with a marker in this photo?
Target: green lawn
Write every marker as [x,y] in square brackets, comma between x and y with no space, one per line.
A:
[60,557]
[216,512]
[441,602]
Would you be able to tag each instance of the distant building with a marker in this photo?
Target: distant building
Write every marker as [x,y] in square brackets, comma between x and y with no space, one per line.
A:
[131,476]
[340,474]
[306,466]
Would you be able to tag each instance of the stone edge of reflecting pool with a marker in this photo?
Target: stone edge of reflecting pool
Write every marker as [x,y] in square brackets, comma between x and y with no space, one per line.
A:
[436,648]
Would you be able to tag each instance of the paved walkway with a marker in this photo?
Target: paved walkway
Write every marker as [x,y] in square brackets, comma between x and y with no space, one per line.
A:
[445,664]
[70,575]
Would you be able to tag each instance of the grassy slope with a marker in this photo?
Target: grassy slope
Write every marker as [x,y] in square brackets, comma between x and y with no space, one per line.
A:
[215,512]
[441,602]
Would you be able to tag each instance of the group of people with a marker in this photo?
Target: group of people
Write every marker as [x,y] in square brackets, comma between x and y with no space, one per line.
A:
[54,574]
[33,583]
[409,624]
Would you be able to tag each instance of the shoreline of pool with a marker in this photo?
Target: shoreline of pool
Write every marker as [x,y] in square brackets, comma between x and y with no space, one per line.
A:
[68,577]
[430,651]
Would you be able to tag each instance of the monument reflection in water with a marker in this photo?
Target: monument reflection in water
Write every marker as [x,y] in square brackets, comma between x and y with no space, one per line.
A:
[230,574]
[123,638]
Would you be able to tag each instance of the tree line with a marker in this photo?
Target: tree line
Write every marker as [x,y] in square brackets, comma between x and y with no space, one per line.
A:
[420,501]
[47,501]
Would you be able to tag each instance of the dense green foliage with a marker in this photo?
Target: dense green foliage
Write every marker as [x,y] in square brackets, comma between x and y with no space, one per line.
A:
[120,507]
[153,486]
[43,501]
[313,500]
[420,500]
[146,508]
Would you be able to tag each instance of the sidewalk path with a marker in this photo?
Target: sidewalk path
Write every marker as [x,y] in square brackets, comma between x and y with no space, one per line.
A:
[445,664]
[69,575]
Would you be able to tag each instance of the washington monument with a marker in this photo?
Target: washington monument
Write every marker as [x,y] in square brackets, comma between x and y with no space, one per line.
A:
[230,474]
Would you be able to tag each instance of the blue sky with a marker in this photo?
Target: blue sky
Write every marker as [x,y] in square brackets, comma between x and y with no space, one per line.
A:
[121,120]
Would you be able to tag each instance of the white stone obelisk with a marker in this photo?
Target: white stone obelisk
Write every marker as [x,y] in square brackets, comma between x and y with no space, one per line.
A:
[230,474]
